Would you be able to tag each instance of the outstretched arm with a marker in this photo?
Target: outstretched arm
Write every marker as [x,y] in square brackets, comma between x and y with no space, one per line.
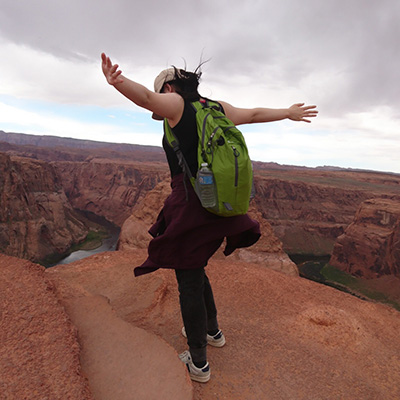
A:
[297,112]
[166,105]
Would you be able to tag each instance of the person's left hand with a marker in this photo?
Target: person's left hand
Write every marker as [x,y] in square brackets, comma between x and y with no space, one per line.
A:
[110,71]
[300,112]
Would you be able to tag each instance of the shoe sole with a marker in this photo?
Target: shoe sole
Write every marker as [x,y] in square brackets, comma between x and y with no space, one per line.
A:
[201,379]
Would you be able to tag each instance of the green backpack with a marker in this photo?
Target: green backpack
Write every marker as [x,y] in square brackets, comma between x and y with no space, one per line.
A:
[223,148]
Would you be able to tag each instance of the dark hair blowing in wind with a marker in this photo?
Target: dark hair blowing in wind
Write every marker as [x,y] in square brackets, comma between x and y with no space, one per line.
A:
[186,83]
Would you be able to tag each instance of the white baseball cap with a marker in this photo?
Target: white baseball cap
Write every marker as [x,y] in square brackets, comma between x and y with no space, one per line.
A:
[165,76]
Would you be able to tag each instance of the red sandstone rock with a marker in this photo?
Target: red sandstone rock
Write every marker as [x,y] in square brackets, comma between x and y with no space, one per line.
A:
[134,232]
[121,360]
[287,337]
[370,246]
[308,210]
[108,187]
[39,351]
[36,218]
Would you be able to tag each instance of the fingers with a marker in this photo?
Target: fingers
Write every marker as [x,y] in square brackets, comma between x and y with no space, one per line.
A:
[103,60]
[106,60]
[309,112]
[304,116]
[116,75]
[111,72]
[114,71]
[309,108]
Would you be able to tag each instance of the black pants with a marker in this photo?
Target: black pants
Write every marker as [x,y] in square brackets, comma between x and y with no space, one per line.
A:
[198,310]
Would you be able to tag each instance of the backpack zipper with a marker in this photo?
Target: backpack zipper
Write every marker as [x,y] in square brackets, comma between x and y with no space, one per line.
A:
[236,154]
[203,132]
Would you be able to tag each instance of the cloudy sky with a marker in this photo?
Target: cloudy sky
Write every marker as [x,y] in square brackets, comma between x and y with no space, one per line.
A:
[342,55]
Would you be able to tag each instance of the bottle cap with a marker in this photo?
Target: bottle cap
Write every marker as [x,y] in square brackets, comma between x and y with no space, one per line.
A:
[204,164]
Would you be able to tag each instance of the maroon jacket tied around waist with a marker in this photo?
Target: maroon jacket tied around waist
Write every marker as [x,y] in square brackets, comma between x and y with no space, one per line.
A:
[186,235]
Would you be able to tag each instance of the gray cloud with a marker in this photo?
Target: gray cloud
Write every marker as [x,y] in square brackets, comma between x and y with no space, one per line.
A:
[278,43]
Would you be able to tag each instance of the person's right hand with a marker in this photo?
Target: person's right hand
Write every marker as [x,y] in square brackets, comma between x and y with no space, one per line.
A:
[110,71]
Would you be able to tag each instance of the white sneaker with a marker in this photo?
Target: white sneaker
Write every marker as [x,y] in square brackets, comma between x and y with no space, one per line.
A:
[218,340]
[196,374]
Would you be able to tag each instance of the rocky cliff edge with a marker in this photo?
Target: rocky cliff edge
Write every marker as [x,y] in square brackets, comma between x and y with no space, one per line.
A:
[287,338]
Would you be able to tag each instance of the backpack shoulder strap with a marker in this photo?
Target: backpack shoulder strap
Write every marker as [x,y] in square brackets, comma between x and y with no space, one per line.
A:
[174,143]
[171,138]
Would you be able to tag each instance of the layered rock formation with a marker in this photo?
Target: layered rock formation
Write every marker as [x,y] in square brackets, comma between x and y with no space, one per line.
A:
[36,218]
[108,187]
[309,209]
[370,246]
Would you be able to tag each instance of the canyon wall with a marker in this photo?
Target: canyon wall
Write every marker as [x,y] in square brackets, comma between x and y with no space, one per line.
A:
[370,245]
[306,217]
[36,218]
[309,209]
[107,187]
[42,187]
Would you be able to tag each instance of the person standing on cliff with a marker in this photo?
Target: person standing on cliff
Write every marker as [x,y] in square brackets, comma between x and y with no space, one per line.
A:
[185,234]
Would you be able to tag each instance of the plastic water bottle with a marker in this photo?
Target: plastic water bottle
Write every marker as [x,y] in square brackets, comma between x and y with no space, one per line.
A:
[207,192]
